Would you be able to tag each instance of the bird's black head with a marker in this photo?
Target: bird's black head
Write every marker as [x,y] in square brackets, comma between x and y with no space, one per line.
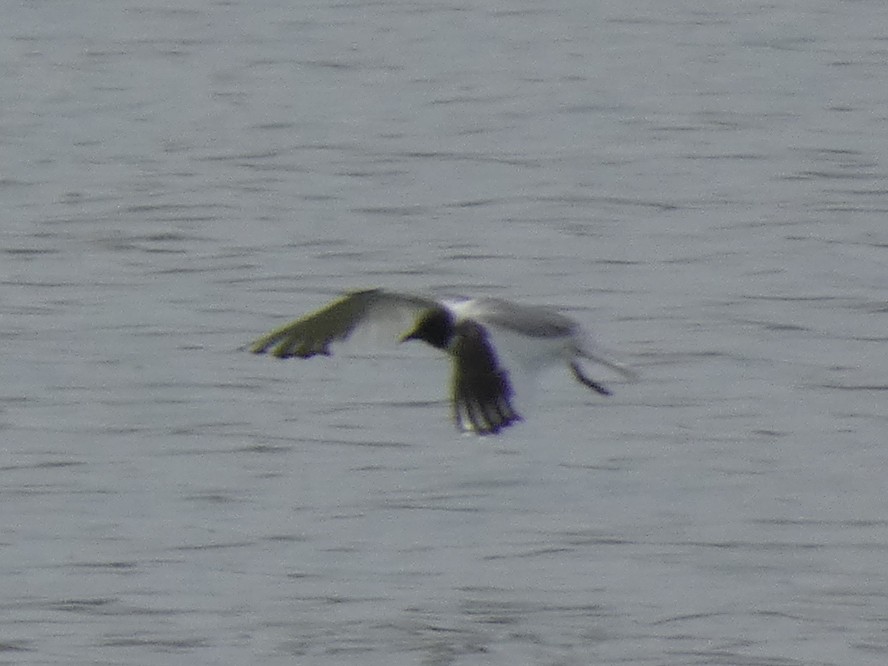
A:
[435,327]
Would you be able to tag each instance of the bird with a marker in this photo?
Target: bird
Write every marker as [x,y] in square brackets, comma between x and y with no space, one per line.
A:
[477,333]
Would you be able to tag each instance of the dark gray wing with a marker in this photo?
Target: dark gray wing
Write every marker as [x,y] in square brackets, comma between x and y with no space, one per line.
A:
[335,322]
[482,394]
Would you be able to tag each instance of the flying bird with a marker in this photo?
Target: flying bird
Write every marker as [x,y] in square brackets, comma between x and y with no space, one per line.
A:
[477,333]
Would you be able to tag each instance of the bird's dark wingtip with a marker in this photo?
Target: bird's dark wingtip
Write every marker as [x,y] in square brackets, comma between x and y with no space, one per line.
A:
[496,428]
[601,389]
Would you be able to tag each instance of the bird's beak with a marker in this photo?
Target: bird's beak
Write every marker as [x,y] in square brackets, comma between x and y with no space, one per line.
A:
[410,335]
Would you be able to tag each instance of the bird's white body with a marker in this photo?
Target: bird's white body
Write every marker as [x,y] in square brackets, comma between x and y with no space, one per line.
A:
[546,338]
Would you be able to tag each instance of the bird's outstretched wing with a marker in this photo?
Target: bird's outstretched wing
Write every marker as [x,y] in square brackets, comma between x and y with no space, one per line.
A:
[336,321]
[482,394]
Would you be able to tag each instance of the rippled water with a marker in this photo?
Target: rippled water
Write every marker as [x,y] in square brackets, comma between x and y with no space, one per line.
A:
[703,184]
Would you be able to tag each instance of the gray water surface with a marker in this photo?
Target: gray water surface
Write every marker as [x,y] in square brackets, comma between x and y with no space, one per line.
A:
[702,184]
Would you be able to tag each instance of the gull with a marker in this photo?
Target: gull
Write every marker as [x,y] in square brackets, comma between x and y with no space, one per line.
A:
[477,333]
